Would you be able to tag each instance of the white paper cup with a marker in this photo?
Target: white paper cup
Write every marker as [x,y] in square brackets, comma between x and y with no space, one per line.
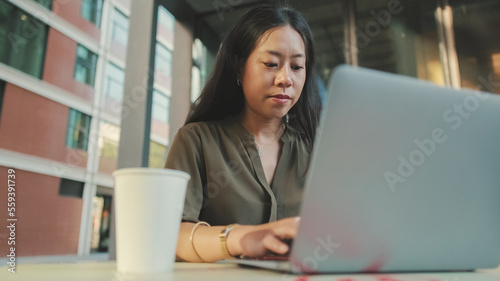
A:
[148,205]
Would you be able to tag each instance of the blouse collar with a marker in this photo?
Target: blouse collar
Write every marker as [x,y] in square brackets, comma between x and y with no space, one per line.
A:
[244,134]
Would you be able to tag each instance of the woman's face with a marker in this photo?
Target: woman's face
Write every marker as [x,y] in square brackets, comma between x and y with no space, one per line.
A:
[274,73]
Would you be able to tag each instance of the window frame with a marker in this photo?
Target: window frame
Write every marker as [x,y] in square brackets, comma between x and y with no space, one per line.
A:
[165,18]
[157,93]
[161,50]
[68,188]
[88,63]
[96,7]
[101,246]
[22,31]
[76,125]
[110,78]
[116,24]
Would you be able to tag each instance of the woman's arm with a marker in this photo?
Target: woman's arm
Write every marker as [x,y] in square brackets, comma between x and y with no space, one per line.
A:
[248,240]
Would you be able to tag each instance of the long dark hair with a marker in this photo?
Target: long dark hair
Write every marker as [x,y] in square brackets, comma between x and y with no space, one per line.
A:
[222,96]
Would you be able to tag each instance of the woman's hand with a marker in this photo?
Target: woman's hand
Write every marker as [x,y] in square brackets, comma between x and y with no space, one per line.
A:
[261,240]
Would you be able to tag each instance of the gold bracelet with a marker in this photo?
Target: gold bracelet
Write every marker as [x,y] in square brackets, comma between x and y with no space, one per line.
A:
[191,237]
[223,240]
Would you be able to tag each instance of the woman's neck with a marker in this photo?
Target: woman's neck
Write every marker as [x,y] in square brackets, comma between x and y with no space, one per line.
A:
[264,130]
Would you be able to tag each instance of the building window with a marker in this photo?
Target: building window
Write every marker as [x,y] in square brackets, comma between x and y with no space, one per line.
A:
[157,154]
[400,39]
[45,3]
[71,188]
[115,78]
[92,11]
[164,49]
[165,28]
[165,18]
[2,93]
[78,130]
[85,66]
[108,142]
[163,60]
[198,70]
[161,106]
[475,27]
[119,30]
[24,40]
[101,214]
[109,139]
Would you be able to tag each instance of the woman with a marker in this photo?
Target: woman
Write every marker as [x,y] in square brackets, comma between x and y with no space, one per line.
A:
[246,143]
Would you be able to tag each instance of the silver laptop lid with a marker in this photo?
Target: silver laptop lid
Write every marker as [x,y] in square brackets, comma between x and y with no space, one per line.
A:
[405,176]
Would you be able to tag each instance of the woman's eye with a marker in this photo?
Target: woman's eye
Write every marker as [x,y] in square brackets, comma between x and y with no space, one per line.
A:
[297,67]
[270,64]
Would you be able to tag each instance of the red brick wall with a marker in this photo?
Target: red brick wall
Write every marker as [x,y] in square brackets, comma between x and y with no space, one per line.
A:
[47,224]
[59,68]
[34,125]
[70,10]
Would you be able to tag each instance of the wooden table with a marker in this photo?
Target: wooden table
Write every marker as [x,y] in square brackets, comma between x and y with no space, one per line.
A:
[106,271]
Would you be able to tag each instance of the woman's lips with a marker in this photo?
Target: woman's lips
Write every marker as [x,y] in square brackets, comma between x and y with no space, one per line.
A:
[282,99]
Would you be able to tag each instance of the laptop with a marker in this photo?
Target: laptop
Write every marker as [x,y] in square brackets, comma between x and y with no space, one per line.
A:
[405,177]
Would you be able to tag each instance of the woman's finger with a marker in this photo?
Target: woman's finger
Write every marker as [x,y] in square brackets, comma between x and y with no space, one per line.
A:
[274,244]
[287,229]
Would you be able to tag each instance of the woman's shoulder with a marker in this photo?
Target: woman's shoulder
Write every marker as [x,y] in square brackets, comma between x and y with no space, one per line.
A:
[297,139]
[292,134]
[201,126]
[206,128]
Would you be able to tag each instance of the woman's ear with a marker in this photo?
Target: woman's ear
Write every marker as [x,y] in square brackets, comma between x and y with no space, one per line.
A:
[238,67]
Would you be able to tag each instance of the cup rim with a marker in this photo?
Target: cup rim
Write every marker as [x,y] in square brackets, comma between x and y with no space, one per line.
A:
[148,170]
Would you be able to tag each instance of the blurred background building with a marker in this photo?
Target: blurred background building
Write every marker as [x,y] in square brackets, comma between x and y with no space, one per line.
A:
[89,86]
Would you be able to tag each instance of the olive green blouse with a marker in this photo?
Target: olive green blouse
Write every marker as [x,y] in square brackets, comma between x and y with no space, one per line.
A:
[228,184]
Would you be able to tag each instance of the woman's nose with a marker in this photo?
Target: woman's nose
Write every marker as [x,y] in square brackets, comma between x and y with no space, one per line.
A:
[283,79]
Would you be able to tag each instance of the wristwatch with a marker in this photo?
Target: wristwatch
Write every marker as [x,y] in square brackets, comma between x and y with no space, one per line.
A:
[223,240]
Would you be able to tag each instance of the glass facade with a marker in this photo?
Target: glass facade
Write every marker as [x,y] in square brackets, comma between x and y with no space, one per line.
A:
[157,154]
[399,37]
[165,19]
[163,60]
[161,106]
[198,71]
[477,43]
[24,40]
[159,129]
[119,29]
[160,111]
[451,43]
[85,66]
[115,78]
[108,142]
[92,11]
[164,49]
[78,130]
[327,21]
[101,215]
